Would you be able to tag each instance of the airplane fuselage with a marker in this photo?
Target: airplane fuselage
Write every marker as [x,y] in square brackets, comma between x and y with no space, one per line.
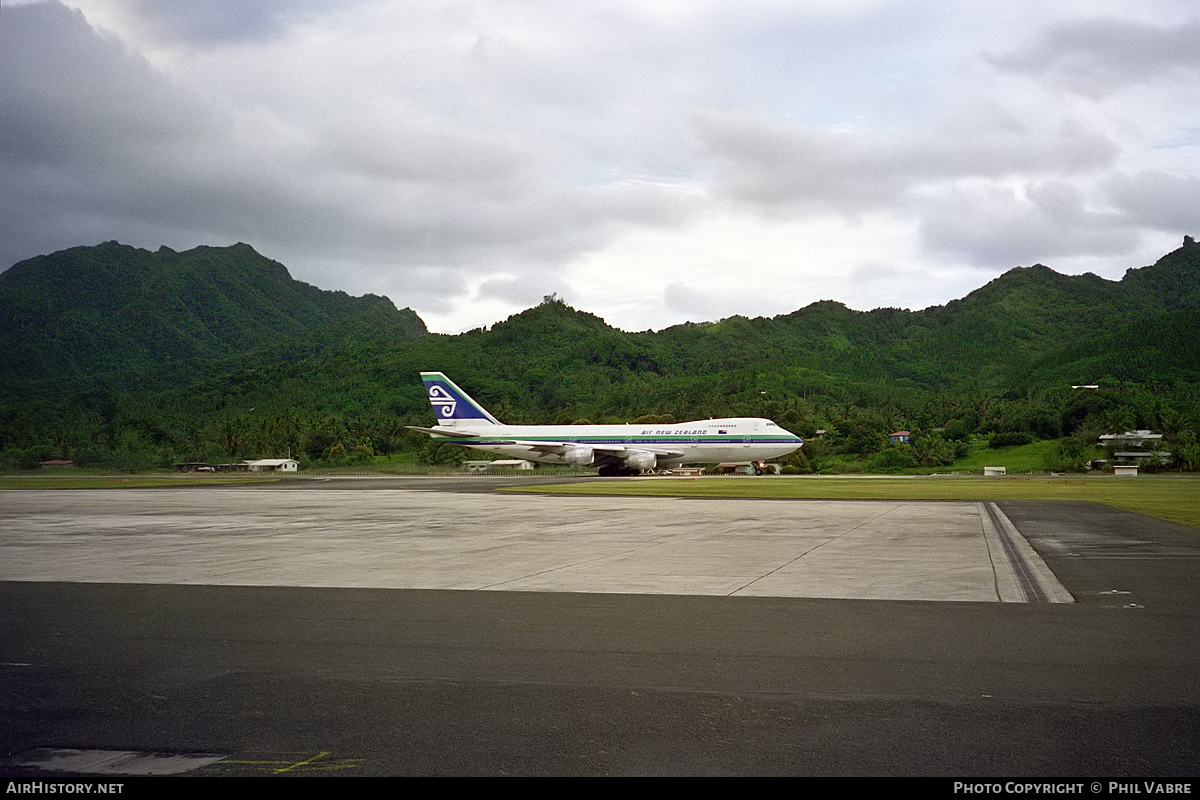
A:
[702,442]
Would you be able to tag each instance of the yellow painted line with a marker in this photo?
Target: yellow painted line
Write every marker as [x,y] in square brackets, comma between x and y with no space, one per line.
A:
[299,764]
[280,766]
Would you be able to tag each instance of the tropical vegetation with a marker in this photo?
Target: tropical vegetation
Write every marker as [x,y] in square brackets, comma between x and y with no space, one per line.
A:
[119,358]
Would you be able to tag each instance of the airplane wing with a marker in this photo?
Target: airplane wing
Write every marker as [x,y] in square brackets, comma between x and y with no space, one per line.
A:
[606,449]
[543,446]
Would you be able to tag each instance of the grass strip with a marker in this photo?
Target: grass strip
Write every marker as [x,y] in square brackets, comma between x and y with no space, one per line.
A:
[1176,499]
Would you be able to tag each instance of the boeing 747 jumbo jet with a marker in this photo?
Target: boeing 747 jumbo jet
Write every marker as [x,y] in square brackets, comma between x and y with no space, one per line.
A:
[612,449]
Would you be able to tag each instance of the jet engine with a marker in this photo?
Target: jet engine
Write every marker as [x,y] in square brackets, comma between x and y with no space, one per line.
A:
[578,455]
[640,459]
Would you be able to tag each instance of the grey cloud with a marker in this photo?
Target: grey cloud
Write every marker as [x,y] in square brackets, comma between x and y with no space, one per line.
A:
[408,150]
[1096,57]
[431,287]
[72,94]
[994,227]
[419,149]
[90,134]
[525,290]
[766,163]
[692,302]
[208,21]
[953,180]
[1158,200]
[100,145]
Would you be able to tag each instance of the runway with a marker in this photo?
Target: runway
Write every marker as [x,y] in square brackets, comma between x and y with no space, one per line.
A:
[392,538]
[669,638]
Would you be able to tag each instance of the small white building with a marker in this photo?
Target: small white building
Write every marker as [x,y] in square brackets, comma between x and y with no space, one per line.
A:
[749,468]
[273,465]
[499,464]
[512,463]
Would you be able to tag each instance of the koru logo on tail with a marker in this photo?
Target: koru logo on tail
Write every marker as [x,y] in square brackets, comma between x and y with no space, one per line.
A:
[442,402]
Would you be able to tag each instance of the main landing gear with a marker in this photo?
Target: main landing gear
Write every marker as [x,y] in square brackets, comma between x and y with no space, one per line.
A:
[617,472]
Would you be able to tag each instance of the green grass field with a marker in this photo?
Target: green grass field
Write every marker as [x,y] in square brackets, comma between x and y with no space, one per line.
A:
[123,482]
[1172,498]
[1021,459]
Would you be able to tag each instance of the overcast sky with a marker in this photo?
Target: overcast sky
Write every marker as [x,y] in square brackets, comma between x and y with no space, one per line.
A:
[649,161]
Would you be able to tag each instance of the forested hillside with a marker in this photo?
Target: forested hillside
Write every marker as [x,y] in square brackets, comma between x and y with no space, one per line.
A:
[120,357]
[90,311]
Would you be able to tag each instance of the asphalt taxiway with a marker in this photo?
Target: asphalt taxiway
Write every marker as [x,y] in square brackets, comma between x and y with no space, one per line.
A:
[367,629]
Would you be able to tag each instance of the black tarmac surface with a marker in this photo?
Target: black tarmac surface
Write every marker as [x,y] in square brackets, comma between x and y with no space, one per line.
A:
[304,681]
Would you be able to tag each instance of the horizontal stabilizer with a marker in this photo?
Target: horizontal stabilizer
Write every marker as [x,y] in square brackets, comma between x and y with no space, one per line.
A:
[444,432]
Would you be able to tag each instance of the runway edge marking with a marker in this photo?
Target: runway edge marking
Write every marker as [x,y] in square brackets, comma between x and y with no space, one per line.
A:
[1031,578]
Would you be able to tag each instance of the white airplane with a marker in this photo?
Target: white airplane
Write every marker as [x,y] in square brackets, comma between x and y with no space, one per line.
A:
[613,449]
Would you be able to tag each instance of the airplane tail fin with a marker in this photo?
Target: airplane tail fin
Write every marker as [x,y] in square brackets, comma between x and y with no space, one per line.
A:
[451,404]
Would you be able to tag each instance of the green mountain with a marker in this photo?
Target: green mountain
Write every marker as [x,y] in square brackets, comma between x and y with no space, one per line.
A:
[114,308]
[121,356]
